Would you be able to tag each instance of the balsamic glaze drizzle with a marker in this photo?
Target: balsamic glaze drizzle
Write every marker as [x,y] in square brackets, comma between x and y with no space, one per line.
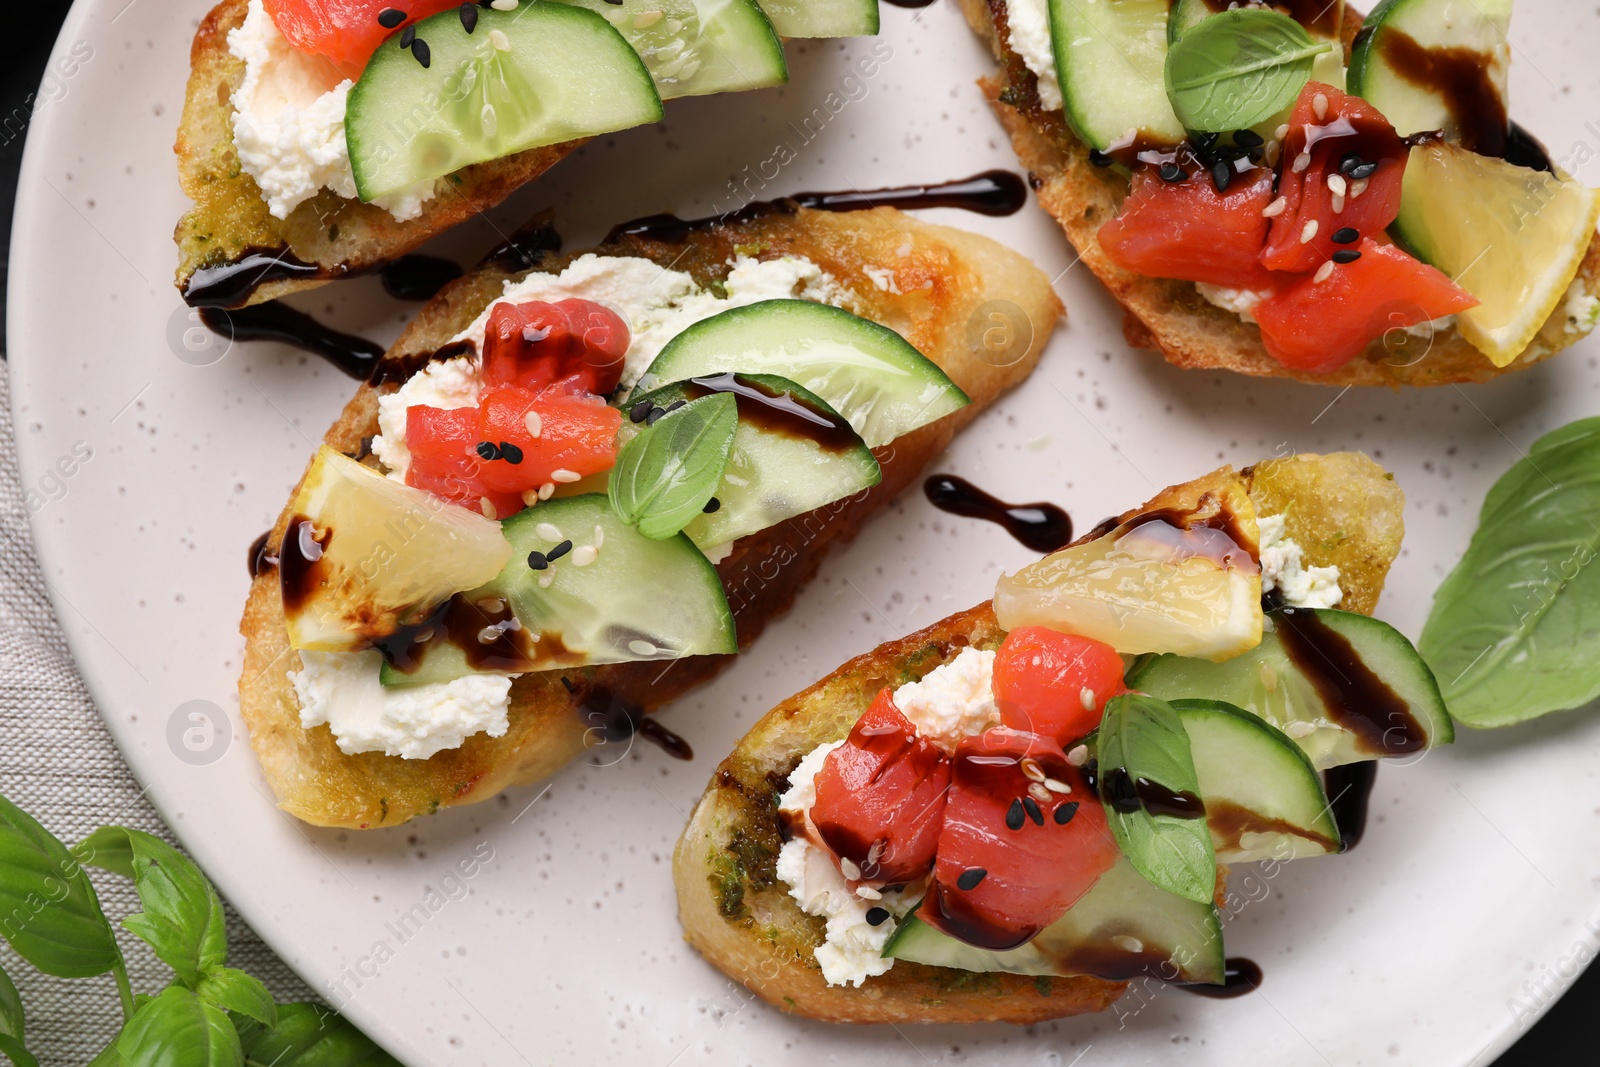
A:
[1349,789]
[1240,976]
[272,321]
[418,277]
[1041,527]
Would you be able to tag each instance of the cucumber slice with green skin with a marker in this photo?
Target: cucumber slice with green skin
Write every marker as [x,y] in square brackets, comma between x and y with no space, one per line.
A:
[823,18]
[1184,16]
[792,453]
[437,662]
[1264,799]
[698,47]
[866,372]
[1111,58]
[568,74]
[1344,687]
[1389,42]
[1319,18]
[1122,928]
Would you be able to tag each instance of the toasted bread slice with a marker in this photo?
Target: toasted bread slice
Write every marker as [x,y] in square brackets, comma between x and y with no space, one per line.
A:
[1171,316]
[328,236]
[1342,508]
[941,278]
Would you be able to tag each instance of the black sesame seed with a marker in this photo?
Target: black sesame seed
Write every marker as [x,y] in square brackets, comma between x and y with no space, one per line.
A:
[1221,175]
[538,562]
[1171,173]
[970,878]
[1205,140]
[1034,813]
[390,17]
[1248,139]
[567,683]
[510,452]
[1347,235]
[877,916]
[1097,157]
[469,17]
[1065,812]
[1014,816]
[423,53]
[712,505]
[408,36]
[654,416]
[1366,170]
[1349,163]
[639,411]
[1346,255]
[488,450]
[557,552]
[675,405]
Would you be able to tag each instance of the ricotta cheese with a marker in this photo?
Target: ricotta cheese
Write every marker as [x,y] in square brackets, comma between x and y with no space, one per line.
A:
[1030,38]
[342,690]
[953,701]
[1241,302]
[288,123]
[1283,568]
[1583,310]
[450,383]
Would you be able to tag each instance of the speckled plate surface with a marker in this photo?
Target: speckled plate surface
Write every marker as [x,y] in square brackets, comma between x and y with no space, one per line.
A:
[1471,902]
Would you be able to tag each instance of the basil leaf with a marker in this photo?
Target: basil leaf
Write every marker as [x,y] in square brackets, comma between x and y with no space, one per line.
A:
[1141,737]
[309,1035]
[182,916]
[108,849]
[10,1008]
[12,1049]
[1238,68]
[667,473]
[48,910]
[178,1029]
[238,992]
[1514,633]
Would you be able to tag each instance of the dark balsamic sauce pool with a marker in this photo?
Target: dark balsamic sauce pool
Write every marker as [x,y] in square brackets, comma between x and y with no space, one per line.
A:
[1349,789]
[417,277]
[272,321]
[1240,976]
[777,412]
[1041,527]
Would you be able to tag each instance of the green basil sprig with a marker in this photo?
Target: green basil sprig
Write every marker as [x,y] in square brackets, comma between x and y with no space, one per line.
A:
[665,476]
[1141,737]
[1514,633]
[51,916]
[1237,68]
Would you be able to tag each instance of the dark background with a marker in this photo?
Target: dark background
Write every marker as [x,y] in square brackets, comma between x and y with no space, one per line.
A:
[29,29]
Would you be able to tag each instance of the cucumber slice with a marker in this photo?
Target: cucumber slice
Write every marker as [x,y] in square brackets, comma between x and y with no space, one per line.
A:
[1185,15]
[697,47]
[639,599]
[1263,798]
[1111,58]
[792,453]
[866,372]
[568,74]
[1382,71]
[1320,19]
[1122,928]
[1400,715]
[823,18]
[438,661]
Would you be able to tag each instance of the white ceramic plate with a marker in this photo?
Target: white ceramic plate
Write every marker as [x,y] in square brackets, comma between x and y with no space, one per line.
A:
[1478,875]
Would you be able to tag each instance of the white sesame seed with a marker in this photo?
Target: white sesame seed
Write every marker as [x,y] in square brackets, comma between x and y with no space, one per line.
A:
[875,853]
[1319,104]
[1055,785]
[498,38]
[1126,943]
[646,19]
[1276,208]
[563,475]
[1308,231]
[1078,755]
[1338,203]
[1358,187]
[1300,729]
[642,648]
[599,536]
[534,423]
[1336,183]
[423,636]
[1031,771]
[1269,677]
[530,497]
[584,555]
[1301,162]
[866,892]
[1281,132]
[504,5]
[486,506]
[492,604]
[488,635]
[544,582]
[1086,698]
[1037,791]
[549,531]
[547,490]
[1324,272]
[848,868]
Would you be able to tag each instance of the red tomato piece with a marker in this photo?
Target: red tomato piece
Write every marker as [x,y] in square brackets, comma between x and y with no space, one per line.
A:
[575,433]
[1040,676]
[1320,326]
[574,346]
[1014,855]
[1349,126]
[1189,231]
[445,462]
[880,796]
[347,32]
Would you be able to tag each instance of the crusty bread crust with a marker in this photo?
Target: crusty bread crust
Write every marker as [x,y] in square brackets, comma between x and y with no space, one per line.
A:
[1171,316]
[341,237]
[742,919]
[942,277]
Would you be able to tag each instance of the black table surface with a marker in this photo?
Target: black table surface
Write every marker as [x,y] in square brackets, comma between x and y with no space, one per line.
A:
[30,27]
